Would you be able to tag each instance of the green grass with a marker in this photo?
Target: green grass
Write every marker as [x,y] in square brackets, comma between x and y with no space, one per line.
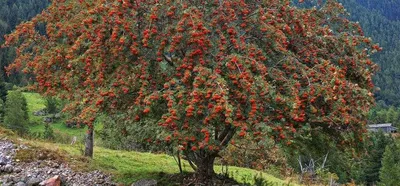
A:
[59,127]
[37,102]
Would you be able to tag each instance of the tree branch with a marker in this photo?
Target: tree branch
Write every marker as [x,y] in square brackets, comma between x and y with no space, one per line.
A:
[228,137]
[169,60]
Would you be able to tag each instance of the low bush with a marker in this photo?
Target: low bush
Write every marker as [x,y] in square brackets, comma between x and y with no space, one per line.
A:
[48,132]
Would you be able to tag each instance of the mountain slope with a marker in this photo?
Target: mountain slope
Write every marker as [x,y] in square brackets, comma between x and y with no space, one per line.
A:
[380,20]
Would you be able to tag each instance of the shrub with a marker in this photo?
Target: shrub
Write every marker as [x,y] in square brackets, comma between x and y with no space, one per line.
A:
[246,153]
[51,105]
[48,132]
[3,91]
[1,110]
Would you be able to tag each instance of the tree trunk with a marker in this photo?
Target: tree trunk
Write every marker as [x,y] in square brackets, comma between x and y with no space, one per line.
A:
[89,141]
[205,169]
[204,160]
[179,163]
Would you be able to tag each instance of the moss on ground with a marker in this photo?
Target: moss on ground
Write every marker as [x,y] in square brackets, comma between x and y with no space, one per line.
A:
[34,153]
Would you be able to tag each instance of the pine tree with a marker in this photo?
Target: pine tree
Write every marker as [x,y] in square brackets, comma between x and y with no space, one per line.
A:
[16,116]
[374,158]
[390,172]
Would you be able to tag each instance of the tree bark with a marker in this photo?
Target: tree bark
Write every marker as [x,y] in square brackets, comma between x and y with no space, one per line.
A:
[204,160]
[205,169]
[89,141]
[179,163]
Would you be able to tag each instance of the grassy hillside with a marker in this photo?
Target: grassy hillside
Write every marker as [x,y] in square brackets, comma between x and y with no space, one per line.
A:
[35,103]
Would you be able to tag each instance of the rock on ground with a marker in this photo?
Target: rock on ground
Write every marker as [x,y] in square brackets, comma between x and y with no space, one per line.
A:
[41,171]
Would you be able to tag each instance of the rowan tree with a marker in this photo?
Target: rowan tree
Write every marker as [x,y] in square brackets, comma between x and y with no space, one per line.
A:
[206,70]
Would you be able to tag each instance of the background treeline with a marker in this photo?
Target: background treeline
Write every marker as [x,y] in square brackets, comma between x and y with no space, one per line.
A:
[382,114]
[388,8]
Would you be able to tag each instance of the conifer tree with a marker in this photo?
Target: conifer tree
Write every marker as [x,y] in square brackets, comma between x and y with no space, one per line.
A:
[374,158]
[390,172]
[16,115]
